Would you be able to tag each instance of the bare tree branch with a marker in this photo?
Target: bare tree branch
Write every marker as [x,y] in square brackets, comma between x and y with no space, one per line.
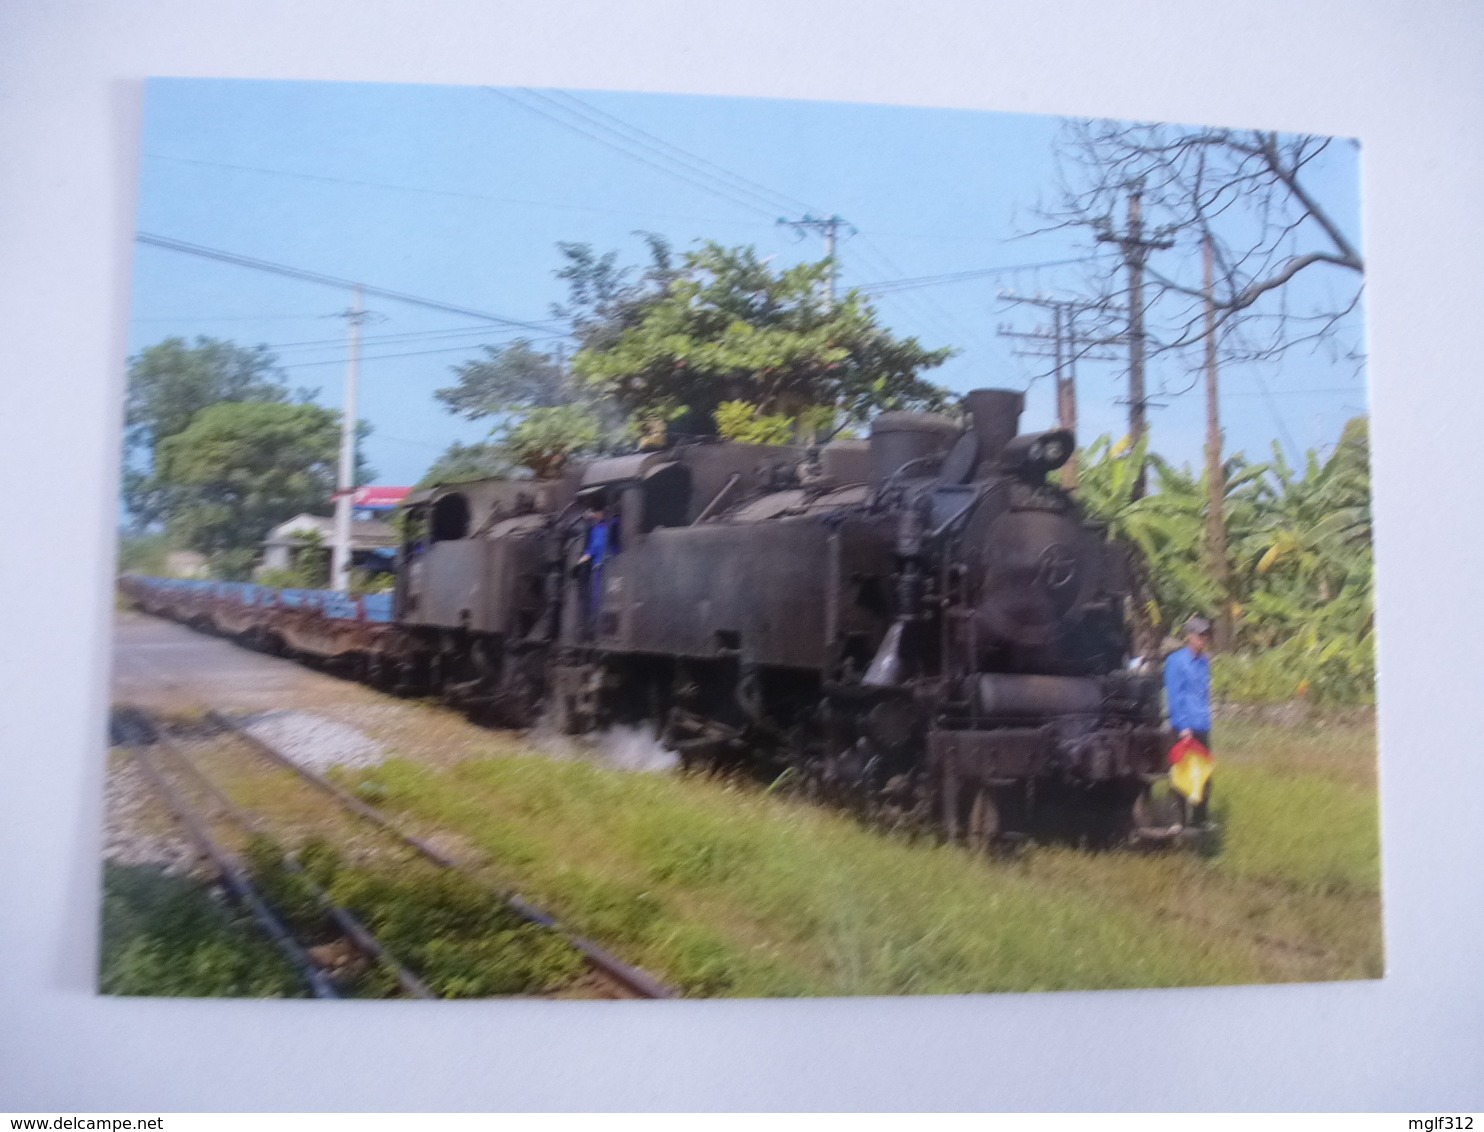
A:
[1251,193]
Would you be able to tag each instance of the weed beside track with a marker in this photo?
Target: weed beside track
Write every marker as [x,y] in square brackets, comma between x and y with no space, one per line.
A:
[722,889]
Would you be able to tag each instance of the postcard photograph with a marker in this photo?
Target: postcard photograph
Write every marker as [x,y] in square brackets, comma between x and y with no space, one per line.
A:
[589,545]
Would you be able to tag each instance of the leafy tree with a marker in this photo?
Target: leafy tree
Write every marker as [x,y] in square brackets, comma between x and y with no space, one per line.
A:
[737,420]
[240,468]
[549,416]
[169,383]
[605,300]
[545,439]
[460,462]
[311,568]
[1299,545]
[509,379]
[142,553]
[729,328]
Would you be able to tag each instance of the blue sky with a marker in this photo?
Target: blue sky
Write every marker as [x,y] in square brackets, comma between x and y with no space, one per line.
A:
[461,194]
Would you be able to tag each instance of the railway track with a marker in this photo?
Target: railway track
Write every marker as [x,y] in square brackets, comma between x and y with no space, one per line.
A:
[143,736]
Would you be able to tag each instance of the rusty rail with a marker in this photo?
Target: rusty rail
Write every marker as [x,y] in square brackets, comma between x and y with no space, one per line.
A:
[358,933]
[638,982]
[235,879]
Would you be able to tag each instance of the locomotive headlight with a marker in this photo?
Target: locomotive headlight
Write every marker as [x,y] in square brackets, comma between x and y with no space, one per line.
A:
[1038,452]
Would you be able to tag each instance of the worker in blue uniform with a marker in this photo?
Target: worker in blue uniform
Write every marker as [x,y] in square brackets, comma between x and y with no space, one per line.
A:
[595,551]
[1188,692]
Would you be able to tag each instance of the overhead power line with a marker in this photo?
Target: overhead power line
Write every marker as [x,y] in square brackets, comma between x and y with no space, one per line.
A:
[230,318]
[390,186]
[625,147]
[889,285]
[776,199]
[407,354]
[405,337]
[330,280]
[924,304]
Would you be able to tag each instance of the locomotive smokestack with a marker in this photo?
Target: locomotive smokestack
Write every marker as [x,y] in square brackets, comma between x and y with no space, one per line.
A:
[996,420]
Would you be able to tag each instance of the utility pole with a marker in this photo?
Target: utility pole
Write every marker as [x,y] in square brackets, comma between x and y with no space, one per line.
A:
[1066,345]
[829,227]
[1215,471]
[345,484]
[1135,249]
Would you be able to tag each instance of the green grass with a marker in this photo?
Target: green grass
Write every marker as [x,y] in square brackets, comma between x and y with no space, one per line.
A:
[722,889]
[167,935]
[727,891]
[454,934]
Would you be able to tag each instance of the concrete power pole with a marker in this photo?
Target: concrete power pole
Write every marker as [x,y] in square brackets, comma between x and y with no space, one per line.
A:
[1136,251]
[345,484]
[1215,472]
[1067,345]
[829,227]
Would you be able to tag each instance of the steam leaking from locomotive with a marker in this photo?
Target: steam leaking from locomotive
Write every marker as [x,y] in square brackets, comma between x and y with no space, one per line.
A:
[920,624]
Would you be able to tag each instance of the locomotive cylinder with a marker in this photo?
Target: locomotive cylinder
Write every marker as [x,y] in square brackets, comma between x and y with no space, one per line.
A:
[1013,696]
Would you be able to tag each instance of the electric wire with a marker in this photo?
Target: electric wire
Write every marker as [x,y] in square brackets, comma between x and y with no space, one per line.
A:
[892,285]
[631,154]
[672,152]
[457,193]
[405,336]
[407,354]
[287,271]
[922,303]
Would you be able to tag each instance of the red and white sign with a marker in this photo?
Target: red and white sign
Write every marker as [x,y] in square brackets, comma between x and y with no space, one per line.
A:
[376,498]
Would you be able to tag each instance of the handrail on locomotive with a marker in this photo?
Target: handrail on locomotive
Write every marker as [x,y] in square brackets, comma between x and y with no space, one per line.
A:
[920,623]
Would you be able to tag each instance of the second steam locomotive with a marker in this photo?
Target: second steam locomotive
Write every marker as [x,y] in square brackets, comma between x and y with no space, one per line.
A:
[920,624]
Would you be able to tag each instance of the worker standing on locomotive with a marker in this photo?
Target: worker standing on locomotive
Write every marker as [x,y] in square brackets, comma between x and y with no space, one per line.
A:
[596,549]
[1188,691]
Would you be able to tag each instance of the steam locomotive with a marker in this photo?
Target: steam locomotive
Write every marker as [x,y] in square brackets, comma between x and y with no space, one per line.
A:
[921,624]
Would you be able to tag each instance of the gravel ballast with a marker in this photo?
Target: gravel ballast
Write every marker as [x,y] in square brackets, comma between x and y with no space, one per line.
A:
[312,741]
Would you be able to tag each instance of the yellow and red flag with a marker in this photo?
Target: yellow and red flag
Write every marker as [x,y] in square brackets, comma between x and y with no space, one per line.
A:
[1191,765]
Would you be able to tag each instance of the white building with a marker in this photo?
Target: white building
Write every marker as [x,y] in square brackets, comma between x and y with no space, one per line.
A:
[369,539]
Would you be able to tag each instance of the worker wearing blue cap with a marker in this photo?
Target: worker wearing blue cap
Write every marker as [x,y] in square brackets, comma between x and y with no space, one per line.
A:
[1188,690]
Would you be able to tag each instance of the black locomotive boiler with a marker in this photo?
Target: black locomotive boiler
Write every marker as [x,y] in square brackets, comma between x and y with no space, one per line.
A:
[920,623]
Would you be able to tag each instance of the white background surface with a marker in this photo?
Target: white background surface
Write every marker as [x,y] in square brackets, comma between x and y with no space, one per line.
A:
[1407,78]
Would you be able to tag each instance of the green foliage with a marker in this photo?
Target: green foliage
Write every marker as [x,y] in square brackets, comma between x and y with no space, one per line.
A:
[311,568]
[545,439]
[143,553]
[1299,556]
[1331,671]
[548,416]
[547,419]
[461,462]
[233,565]
[737,420]
[1311,827]
[508,379]
[166,935]
[184,404]
[365,582]
[740,421]
[169,383]
[239,469]
[605,300]
[729,328]
[459,937]
[724,890]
